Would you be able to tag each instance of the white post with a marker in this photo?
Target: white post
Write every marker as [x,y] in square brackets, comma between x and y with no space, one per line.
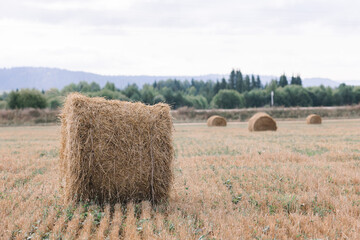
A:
[272,98]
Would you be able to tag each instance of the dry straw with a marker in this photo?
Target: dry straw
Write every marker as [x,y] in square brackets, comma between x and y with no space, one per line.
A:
[216,121]
[113,151]
[313,119]
[262,122]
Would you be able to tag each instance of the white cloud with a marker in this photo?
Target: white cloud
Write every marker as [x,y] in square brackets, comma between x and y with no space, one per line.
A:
[313,38]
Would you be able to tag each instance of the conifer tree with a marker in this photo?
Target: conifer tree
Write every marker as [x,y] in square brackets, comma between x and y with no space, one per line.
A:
[253,82]
[247,83]
[239,81]
[232,80]
[258,82]
[223,84]
[283,81]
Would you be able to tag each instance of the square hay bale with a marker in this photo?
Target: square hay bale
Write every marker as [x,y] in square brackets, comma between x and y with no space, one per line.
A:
[114,151]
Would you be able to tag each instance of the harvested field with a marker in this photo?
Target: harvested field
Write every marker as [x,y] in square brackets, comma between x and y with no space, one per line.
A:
[295,183]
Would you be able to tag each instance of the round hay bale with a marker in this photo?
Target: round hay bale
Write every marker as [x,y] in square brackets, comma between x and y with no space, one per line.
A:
[262,122]
[313,119]
[216,121]
[114,151]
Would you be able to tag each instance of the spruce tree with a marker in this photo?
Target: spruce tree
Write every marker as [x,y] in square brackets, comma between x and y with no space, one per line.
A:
[283,81]
[293,80]
[239,81]
[247,83]
[253,82]
[217,87]
[223,84]
[298,80]
[258,82]
[232,80]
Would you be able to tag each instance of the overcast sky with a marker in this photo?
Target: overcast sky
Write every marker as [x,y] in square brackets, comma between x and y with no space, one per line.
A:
[314,38]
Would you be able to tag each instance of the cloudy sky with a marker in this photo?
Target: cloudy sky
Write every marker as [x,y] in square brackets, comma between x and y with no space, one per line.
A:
[314,38]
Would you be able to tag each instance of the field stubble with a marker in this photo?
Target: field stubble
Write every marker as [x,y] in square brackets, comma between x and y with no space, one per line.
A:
[301,182]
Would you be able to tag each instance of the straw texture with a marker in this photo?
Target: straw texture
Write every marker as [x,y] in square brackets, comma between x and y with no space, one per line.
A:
[262,122]
[113,151]
[313,119]
[216,121]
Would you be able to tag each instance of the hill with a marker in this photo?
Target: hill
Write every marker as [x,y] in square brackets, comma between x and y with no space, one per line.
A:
[46,78]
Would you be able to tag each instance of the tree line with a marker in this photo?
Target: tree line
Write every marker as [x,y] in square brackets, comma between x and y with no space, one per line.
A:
[238,91]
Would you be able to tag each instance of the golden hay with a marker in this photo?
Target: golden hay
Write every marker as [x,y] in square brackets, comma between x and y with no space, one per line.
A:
[313,119]
[216,121]
[262,122]
[113,151]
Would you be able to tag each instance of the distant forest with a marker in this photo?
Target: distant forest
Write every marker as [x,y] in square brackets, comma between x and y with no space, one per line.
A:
[238,91]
